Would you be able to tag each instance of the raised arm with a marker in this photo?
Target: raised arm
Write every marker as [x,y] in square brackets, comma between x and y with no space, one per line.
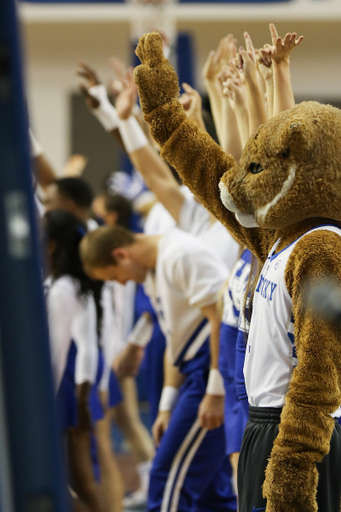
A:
[279,54]
[198,159]
[213,65]
[266,70]
[235,92]
[43,171]
[144,157]
[256,103]
[231,139]
[97,101]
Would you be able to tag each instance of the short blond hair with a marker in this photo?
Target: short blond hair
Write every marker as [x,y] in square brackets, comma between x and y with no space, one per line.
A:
[97,246]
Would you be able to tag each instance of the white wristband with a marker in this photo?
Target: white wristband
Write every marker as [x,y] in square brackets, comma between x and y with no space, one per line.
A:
[132,134]
[136,110]
[36,148]
[168,398]
[106,113]
[215,384]
[142,332]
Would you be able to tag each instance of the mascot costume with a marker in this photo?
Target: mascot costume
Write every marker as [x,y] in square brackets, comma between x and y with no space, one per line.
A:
[282,200]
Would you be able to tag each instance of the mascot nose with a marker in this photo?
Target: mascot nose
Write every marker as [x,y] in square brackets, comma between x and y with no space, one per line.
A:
[256,168]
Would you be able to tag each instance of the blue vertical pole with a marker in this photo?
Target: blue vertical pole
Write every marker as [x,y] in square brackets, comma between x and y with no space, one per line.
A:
[33,468]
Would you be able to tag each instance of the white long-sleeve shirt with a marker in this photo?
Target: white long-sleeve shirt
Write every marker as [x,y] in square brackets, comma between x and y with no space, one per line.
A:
[72,317]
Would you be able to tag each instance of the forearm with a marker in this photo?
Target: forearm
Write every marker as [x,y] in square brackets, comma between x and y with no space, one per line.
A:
[283,93]
[269,84]
[256,106]
[215,97]
[44,173]
[172,376]
[158,179]
[212,314]
[197,118]
[231,141]
[242,116]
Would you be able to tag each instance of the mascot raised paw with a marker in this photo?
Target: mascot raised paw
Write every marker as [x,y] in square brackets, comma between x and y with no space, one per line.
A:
[158,80]
[282,200]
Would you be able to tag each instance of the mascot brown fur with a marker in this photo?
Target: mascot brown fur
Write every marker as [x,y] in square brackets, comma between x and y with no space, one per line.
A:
[287,182]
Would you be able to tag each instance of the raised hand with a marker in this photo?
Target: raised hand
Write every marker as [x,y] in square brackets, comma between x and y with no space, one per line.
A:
[247,59]
[234,87]
[115,86]
[281,48]
[156,79]
[127,98]
[92,79]
[217,59]
[192,103]
[264,63]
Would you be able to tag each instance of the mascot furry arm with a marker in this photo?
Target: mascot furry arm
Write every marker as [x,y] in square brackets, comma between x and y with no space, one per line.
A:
[201,168]
[287,183]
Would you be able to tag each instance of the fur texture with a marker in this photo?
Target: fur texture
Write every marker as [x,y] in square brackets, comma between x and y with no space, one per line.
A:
[287,181]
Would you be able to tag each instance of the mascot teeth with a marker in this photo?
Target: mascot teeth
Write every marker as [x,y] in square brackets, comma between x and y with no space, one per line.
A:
[226,198]
[244,219]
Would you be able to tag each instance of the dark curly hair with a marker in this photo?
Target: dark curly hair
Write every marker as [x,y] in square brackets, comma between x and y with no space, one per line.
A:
[66,231]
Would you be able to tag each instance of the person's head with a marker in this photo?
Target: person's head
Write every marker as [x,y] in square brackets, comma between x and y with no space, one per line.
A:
[71,194]
[113,209]
[108,254]
[62,233]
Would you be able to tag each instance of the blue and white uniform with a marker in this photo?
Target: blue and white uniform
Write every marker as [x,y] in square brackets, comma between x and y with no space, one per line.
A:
[270,353]
[236,410]
[190,470]
[74,349]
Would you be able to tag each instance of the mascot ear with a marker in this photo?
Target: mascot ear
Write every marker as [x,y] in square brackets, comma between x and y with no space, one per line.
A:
[295,137]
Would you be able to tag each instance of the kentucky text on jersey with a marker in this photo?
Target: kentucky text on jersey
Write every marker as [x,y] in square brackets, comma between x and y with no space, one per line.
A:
[266,288]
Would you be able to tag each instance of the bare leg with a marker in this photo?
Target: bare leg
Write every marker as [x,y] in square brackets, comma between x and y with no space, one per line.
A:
[127,418]
[112,486]
[234,457]
[83,480]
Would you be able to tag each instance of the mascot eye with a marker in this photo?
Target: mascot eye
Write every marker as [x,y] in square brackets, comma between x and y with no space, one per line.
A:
[256,168]
[286,153]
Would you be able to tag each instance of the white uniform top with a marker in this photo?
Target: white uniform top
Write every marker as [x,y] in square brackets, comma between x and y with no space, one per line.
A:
[72,318]
[195,219]
[270,353]
[123,297]
[187,277]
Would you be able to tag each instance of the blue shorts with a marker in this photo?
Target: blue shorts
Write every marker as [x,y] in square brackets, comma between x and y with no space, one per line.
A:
[115,393]
[236,415]
[190,470]
[236,410]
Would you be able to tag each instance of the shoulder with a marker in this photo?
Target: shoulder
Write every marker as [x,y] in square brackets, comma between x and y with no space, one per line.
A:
[63,289]
[316,255]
